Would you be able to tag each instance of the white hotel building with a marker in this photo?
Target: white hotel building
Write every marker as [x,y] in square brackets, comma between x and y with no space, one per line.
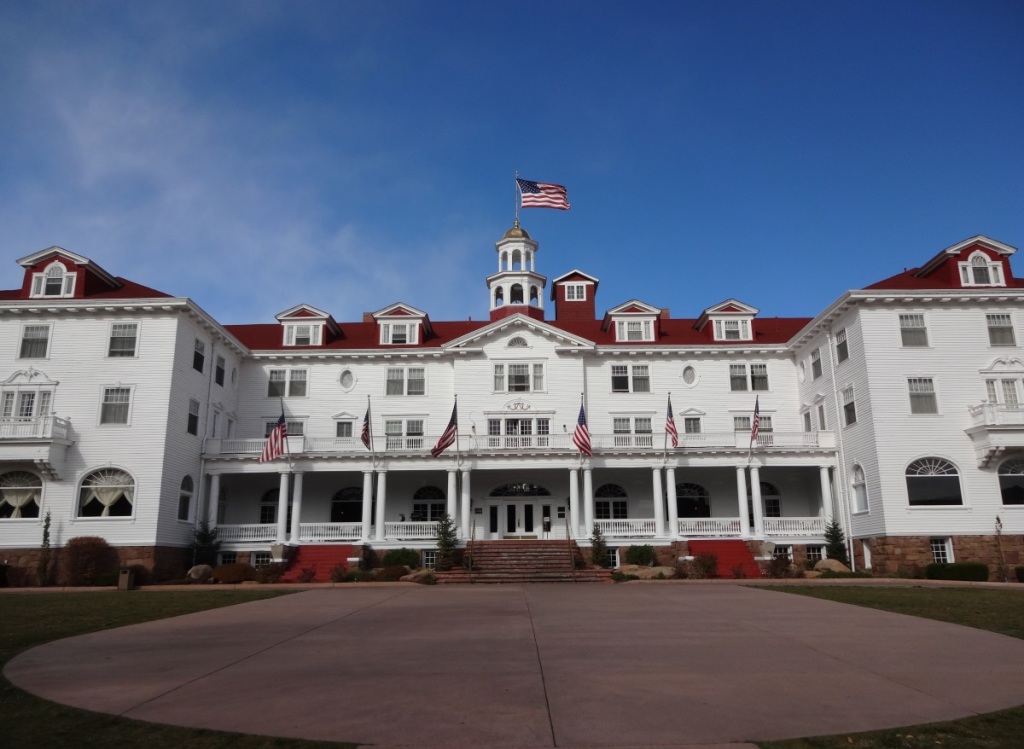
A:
[132,415]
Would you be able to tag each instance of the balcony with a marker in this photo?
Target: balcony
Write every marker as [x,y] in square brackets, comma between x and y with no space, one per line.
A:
[995,428]
[41,441]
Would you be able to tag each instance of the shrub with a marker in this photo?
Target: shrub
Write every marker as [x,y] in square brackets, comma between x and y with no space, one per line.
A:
[205,544]
[307,575]
[87,560]
[642,556]
[622,577]
[428,579]
[391,574]
[405,557]
[704,566]
[1020,574]
[778,568]
[339,573]
[972,571]
[682,570]
[598,548]
[271,573]
[835,546]
[234,573]
[447,542]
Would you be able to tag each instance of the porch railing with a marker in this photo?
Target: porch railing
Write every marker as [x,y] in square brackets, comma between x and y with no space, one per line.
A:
[713,527]
[47,427]
[997,414]
[794,526]
[320,532]
[638,528]
[410,530]
[249,532]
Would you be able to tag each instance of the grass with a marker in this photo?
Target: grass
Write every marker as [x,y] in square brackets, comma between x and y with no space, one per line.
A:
[994,610]
[29,619]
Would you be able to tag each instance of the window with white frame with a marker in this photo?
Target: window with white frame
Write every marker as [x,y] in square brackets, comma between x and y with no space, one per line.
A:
[193,416]
[404,434]
[406,381]
[772,507]
[185,499]
[199,356]
[765,431]
[732,330]
[399,333]
[1011,481]
[289,383]
[1000,330]
[822,423]
[518,377]
[860,490]
[124,337]
[691,425]
[933,482]
[303,334]
[913,330]
[517,342]
[20,495]
[214,423]
[634,330]
[55,281]
[758,379]
[227,557]
[519,432]
[575,292]
[634,378]
[293,428]
[1005,392]
[922,395]
[35,342]
[741,423]
[942,550]
[262,559]
[814,553]
[108,492]
[782,551]
[815,364]
[737,377]
[429,558]
[611,503]
[632,431]
[343,429]
[842,348]
[218,371]
[808,426]
[849,406]
[981,270]
[116,404]
[21,404]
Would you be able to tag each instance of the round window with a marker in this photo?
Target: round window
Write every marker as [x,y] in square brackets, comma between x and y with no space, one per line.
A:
[689,375]
[347,379]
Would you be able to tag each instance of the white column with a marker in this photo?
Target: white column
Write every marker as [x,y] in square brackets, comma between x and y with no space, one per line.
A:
[741,491]
[826,495]
[659,503]
[282,510]
[673,509]
[367,518]
[296,509]
[465,500]
[213,500]
[588,500]
[453,494]
[382,496]
[574,502]
[755,498]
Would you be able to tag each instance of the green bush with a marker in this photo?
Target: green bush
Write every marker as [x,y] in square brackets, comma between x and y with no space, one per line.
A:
[338,573]
[402,557]
[833,573]
[89,560]
[598,548]
[271,573]
[428,579]
[233,573]
[642,556]
[1020,574]
[391,574]
[704,566]
[622,577]
[778,568]
[971,571]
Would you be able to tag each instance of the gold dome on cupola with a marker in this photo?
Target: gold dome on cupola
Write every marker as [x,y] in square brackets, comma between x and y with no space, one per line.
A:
[517,232]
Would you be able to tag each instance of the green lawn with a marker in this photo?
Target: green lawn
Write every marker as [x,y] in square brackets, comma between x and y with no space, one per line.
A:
[995,610]
[28,619]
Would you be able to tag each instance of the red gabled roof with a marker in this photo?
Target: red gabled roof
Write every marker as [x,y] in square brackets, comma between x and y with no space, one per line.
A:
[354,336]
[126,290]
[681,332]
[908,280]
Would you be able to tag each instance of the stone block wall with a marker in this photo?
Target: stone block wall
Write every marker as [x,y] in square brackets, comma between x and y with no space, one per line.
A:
[160,562]
[907,556]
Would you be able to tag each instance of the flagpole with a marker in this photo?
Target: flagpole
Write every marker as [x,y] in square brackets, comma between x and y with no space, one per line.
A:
[369,430]
[666,429]
[518,192]
[458,454]
[287,450]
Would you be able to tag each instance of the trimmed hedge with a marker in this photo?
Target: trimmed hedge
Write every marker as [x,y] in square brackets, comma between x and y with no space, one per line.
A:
[969,571]
[642,556]
[401,557]
[1020,574]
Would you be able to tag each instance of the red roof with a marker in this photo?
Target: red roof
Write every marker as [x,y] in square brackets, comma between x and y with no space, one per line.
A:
[127,290]
[909,281]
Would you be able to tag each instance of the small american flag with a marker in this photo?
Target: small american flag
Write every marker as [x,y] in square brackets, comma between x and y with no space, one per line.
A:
[275,445]
[670,425]
[756,423]
[542,195]
[365,435]
[581,437]
[447,439]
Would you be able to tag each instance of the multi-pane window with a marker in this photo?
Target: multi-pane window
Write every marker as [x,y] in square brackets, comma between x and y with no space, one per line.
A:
[922,395]
[808,426]
[199,356]
[980,270]
[575,292]
[214,423]
[849,406]
[815,364]
[123,338]
[630,431]
[35,340]
[741,423]
[635,378]
[303,334]
[185,498]
[427,511]
[218,372]
[115,405]
[634,330]
[31,404]
[732,330]
[1000,330]
[942,551]
[1011,481]
[860,490]
[404,434]
[737,377]
[406,381]
[1004,392]
[815,553]
[772,507]
[108,492]
[343,429]
[842,348]
[519,433]
[691,425]
[293,428]
[758,376]
[54,281]
[614,509]
[193,416]
[286,382]
[913,331]
[822,423]
[933,481]
[398,334]
[518,377]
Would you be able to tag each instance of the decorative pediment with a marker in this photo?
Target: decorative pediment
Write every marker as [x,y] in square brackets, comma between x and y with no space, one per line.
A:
[55,273]
[633,307]
[518,325]
[731,320]
[1004,365]
[304,325]
[344,416]
[30,376]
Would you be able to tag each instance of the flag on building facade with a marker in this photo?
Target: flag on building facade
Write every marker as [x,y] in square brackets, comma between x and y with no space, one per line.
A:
[581,437]
[275,445]
[756,423]
[365,434]
[670,425]
[447,439]
[542,195]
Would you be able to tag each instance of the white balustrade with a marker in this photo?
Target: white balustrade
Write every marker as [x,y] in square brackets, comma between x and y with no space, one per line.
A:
[997,414]
[48,427]
[250,532]
[322,532]
[410,530]
[713,527]
[814,526]
[635,528]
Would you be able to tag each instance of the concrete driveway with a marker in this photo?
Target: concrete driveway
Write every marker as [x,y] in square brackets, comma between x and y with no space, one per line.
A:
[637,665]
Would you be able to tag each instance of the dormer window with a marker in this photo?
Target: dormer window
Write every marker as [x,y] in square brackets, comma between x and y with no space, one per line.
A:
[55,281]
[399,334]
[575,292]
[634,330]
[303,334]
[981,270]
[732,330]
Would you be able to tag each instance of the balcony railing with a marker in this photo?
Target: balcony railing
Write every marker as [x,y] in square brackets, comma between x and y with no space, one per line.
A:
[636,528]
[45,428]
[709,527]
[250,532]
[794,526]
[997,414]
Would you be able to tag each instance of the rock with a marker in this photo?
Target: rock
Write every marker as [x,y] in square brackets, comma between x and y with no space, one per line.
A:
[645,572]
[810,574]
[417,577]
[832,565]
[200,573]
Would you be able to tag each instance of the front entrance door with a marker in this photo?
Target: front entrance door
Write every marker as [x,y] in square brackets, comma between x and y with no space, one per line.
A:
[513,520]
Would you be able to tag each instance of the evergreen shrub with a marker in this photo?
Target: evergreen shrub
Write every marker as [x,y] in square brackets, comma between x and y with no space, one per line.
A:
[970,571]
[405,557]
[89,560]
[642,556]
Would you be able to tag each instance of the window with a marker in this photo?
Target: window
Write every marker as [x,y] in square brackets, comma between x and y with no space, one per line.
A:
[1011,481]
[815,553]
[228,557]
[922,395]
[517,377]
[942,550]
[185,499]
[517,342]
[634,330]
[737,377]
[933,482]
[575,292]
[109,492]
[849,406]
[738,381]
[842,349]
[268,507]
[765,432]
[630,431]
[808,427]
[262,559]
[636,378]
[347,505]
[403,434]
[31,404]
[815,364]
[980,270]
[406,381]
[199,356]
[35,341]
[913,331]
[343,429]
[1000,330]
[691,425]
[193,416]
[398,334]
[218,372]
[689,375]
[519,433]
[732,330]
[741,423]
[860,490]
[305,334]
[20,493]
[123,337]
[759,377]
[115,406]
[782,551]
[692,501]
[605,509]
[822,424]
[429,558]
[286,382]
[292,428]
[424,510]
[55,281]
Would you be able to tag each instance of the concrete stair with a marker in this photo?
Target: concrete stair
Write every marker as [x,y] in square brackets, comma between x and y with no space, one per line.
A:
[524,562]
[731,554]
[322,558]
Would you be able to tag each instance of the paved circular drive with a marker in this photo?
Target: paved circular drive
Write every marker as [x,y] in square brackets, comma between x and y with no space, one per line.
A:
[534,666]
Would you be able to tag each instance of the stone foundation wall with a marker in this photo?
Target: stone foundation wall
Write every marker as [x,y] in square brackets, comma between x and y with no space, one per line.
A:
[907,556]
[160,563]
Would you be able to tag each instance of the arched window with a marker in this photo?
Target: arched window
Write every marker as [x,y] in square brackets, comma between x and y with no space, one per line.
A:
[428,504]
[692,501]
[517,342]
[185,499]
[534,297]
[610,490]
[611,503]
[347,505]
[772,500]
[499,297]
[933,481]
[517,260]
[979,270]
[860,490]
[19,495]
[428,492]
[1011,481]
[108,492]
[515,294]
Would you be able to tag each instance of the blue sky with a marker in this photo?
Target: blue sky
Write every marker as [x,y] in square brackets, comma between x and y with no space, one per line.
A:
[257,155]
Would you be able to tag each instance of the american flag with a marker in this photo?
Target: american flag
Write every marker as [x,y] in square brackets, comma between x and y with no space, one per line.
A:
[581,437]
[365,435]
[756,423]
[670,425]
[275,445]
[542,195]
[447,439]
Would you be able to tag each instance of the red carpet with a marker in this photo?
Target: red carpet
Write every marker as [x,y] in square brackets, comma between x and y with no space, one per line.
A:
[731,555]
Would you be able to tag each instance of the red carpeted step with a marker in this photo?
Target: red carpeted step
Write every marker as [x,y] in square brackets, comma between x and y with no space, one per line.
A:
[321,558]
[731,555]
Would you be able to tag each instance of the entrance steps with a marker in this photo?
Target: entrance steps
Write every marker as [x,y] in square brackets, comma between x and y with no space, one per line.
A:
[731,555]
[321,558]
[524,561]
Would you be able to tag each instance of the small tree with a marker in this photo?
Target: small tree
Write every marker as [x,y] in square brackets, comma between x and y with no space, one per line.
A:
[205,544]
[835,546]
[598,547]
[447,543]
[43,571]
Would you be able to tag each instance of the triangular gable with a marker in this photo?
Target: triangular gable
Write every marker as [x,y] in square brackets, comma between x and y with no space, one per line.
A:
[963,248]
[574,276]
[304,312]
[633,308]
[517,321]
[79,261]
[399,309]
[728,308]
[341,415]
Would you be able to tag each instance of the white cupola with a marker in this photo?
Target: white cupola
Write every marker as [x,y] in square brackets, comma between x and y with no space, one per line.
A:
[516,288]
